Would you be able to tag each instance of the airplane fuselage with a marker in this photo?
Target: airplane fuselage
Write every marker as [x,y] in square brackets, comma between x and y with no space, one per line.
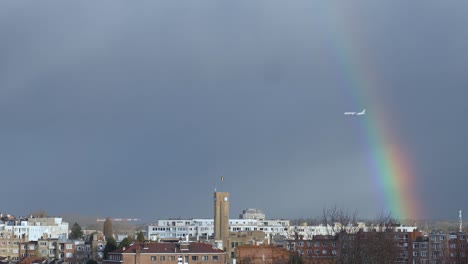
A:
[363,112]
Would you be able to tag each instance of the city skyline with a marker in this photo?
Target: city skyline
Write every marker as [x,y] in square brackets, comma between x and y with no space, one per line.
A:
[129,110]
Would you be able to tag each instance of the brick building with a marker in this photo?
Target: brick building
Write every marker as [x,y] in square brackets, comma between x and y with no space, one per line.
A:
[167,253]
[457,248]
[268,254]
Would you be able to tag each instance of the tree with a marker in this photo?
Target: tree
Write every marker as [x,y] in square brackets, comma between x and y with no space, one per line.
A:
[296,258]
[356,246]
[140,237]
[111,245]
[39,214]
[124,243]
[246,260]
[376,246]
[91,261]
[107,230]
[76,231]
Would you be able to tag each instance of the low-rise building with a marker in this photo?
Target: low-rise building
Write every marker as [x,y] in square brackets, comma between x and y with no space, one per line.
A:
[168,253]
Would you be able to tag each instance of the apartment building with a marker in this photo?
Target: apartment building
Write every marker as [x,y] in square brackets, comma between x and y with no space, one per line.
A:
[33,229]
[9,246]
[420,250]
[457,248]
[320,247]
[251,238]
[252,214]
[203,229]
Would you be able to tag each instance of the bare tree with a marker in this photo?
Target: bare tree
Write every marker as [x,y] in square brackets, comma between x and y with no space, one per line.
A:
[356,246]
[337,219]
[39,213]
[246,260]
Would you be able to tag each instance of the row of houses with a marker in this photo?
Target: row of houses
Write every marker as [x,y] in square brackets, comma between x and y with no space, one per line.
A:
[45,238]
[76,251]
[363,247]
[390,246]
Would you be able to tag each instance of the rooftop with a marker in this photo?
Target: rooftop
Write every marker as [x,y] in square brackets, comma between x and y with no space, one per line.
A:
[167,247]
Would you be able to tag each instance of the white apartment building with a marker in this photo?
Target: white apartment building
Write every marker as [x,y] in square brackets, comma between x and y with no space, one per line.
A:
[308,232]
[36,228]
[204,228]
[252,214]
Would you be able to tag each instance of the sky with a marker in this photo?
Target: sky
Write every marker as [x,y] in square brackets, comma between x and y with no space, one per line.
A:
[136,109]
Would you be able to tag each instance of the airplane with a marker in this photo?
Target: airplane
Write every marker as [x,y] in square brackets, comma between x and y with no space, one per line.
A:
[363,112]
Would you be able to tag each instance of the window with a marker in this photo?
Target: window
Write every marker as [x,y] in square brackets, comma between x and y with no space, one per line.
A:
[214,258]
[162,258]
[172,258]
[333,252]
[317,244]
[153,258]
[205,258]
[69,246]
[69,255]
[194,257]
[324,244]
[324,252]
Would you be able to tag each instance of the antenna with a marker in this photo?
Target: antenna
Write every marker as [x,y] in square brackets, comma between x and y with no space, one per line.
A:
[461,221]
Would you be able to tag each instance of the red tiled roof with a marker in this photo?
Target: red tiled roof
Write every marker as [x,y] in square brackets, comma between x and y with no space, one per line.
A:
[29,260]
[164,247]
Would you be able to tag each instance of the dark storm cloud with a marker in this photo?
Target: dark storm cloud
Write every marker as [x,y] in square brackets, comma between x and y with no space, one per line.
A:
[150,102]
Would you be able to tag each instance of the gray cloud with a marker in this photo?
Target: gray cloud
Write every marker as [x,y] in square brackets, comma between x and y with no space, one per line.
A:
[150,102]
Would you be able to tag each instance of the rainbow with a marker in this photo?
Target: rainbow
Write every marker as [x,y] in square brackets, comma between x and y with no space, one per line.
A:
[388,158]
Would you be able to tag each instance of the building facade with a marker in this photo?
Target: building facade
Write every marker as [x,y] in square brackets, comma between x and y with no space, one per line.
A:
[167,253]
